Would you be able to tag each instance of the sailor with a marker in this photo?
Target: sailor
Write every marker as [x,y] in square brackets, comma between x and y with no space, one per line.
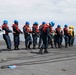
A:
[27,35]
[6,36]
[16,34]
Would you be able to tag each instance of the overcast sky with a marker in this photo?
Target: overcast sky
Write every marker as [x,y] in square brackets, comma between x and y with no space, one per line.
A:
[60,11]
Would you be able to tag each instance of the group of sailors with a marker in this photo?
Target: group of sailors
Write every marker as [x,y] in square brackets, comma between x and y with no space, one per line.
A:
[47,35]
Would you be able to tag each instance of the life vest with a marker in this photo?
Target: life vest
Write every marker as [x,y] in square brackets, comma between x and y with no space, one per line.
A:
[51,30]
[71,32]
[61,31]
[45,27]
[17,28]
[5,26]
[40,28]
[28,29]
[58,31]
[36,27]
[66,32]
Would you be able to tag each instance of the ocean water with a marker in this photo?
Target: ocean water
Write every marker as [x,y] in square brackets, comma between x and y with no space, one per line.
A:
[22,38]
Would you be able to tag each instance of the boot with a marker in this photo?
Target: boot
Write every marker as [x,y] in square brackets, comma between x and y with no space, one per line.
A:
[55,46]
[41,51]
[10,49]
[59,45]
[33,46]
[52,46]
[45,51]
[66,45]
[18,48]
[15,48]
[29,45]
[26,47]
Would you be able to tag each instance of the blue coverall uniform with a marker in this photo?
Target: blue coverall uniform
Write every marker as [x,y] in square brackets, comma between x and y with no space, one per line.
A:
[6,36]
[27,36]
[16,34]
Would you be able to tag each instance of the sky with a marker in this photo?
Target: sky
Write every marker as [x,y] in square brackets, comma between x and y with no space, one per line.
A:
[60,11]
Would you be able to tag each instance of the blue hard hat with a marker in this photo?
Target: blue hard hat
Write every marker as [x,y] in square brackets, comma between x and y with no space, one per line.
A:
[15,21]
[43,22]
[65,25]
[52,23]
[58,26]
[36,23]
[27,23]
[5,22]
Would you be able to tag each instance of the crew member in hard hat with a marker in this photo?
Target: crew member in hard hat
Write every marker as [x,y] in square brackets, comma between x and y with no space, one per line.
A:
[40,31]
[72,35]
[58,36]
[16,34]
[61,38]
[66,35]
[45,33]
[6,36]
[35,32]
[27,30]
[51,34]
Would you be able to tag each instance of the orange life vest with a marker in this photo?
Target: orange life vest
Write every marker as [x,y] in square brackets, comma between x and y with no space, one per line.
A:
[40,28]
[51,30]
[45,27]
[17,28]
[66,32]
[58,29]
[5,26]
[28,29]
[36,27]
